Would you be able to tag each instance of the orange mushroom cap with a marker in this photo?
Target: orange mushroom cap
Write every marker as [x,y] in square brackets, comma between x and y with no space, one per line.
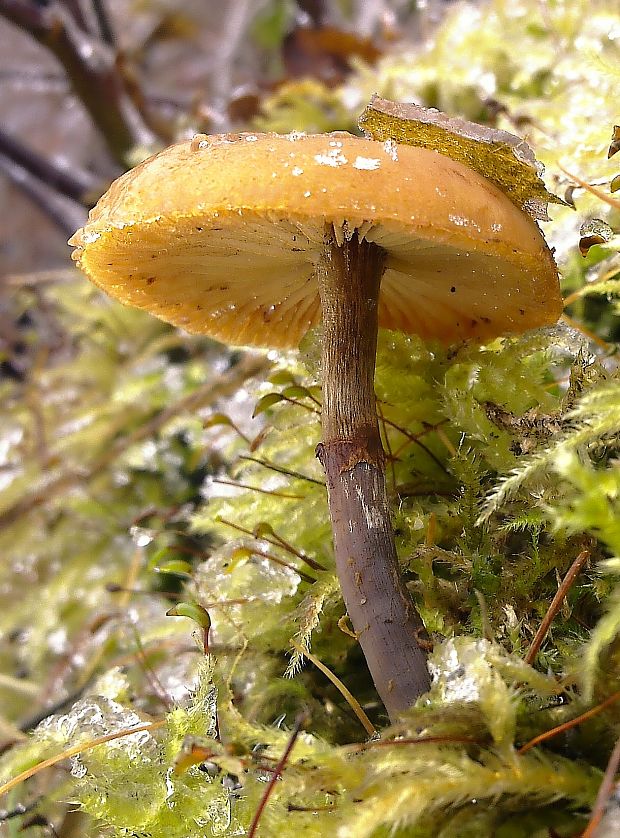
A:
[221,235]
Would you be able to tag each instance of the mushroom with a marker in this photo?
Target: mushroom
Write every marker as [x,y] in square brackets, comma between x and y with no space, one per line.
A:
[254,239]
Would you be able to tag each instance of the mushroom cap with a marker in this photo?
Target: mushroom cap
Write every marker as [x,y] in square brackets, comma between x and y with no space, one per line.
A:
[221,235]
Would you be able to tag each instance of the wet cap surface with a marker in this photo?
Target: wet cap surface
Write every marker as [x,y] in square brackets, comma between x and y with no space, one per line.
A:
[220,235]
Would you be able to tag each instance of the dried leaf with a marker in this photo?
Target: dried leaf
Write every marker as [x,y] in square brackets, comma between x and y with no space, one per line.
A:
[502,158]
[615,142]
[593,232]
[324,53]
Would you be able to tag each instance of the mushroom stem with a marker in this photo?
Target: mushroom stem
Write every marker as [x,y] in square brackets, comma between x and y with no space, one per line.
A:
[389,628]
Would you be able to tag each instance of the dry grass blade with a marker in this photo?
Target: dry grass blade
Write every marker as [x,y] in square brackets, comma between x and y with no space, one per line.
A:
[555,731]
[276,774]
[604,792]
[76,749]
[346,694]
[561,594]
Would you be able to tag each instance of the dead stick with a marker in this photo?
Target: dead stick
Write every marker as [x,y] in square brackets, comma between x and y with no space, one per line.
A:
[67,215]
[276,774]
[73,182]
[571,723]
[92,69]
[604,792]
[556,603]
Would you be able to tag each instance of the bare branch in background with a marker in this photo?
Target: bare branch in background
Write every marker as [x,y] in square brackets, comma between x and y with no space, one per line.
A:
[238,16]
[104,23]
[68,215]
[80,16]
[92,69]
[72,182]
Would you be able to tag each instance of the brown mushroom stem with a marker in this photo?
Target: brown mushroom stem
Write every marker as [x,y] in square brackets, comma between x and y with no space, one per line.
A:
[389,628]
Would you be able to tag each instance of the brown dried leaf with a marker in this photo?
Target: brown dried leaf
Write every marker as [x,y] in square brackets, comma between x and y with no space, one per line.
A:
[615,142]
[593,231]
[325,53]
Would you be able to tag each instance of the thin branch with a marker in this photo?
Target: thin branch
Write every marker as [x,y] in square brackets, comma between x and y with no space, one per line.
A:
[421,740]
[237,485]
[276,775]
[276,543]
[281,470]
[277,560]
[103,22]
[574,324]
[604,792]
[583,717]
[238,14]
[156,685]
[342,689]
[602,196]
[84,20]
[74,183]
[92,70]
[556,603]
[281,542]
[67,215]
[75,750]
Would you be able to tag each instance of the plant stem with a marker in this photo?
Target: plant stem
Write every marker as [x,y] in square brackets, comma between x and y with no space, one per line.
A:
[389,629]
[92,69]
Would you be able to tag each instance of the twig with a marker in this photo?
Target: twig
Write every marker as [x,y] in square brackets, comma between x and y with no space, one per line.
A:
[556,603]
[92,70]
[603,196]
[66,214]
[77,749]
[391,459]
[281,470]
[238,15]
[606,347]
[81,15]
[74,183]
[415,439]
[156,685]
[549,734]
[103,22]
[585,289]
[276,543]
[604,792]
[262,491]
[421,740]
[276,774]
[18,811]
[279,541]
